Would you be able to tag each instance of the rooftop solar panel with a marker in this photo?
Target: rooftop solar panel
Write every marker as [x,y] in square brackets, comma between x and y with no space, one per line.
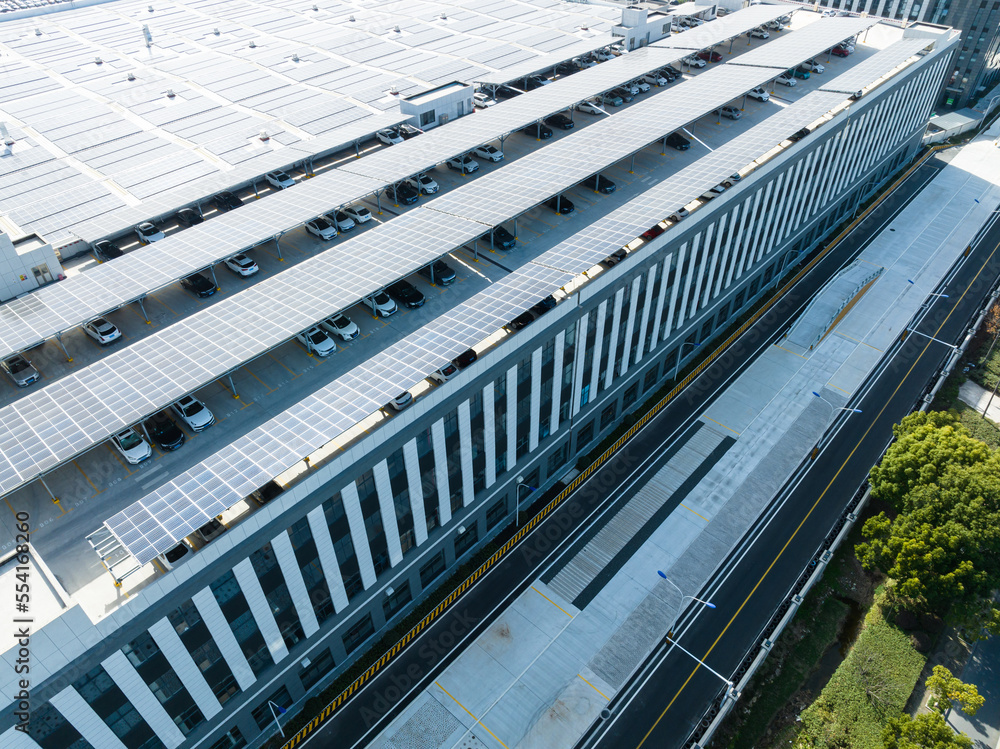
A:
[791,49]
[723,29]
[866,72]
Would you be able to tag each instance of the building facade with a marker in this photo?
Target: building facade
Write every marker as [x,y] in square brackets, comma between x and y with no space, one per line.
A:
[333,562]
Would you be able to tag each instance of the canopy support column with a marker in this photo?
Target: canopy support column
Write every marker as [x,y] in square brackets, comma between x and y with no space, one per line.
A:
[143,308]
[59,341]
[232,386]
[215,281]
[53,497]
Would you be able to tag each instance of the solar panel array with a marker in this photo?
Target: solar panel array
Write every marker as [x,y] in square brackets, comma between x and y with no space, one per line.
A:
[723,29]
[31,319]
[814,39]
[159,520]
[545,63]
[870,70]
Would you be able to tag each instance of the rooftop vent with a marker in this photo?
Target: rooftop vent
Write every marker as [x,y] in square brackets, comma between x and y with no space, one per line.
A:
[295,56]
[444,16]
[216,31]
[170,93]
[253,44]
[150,9]
[394,91]
[264,136]
[130,77]
[38,32]
[396,29]
[351,19]
[147,35]
[7,140]
[316,8]
[98,61]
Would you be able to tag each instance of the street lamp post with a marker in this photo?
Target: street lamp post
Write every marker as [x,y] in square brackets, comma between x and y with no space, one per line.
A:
[836,408]
[943,296]
[281,711]
[517,499]
[731,692]
[680,353]
[952,346]
[680,607]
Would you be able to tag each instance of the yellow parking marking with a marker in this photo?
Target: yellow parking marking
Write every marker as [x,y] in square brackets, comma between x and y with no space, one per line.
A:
[720,424]
[551,601]
[114,453]
[595,688]
[269,388]
[471,715]
[163,304]
[282,364]
[85,476]
[693,512]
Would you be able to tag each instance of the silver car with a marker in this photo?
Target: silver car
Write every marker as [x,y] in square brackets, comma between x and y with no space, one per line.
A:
[20,371]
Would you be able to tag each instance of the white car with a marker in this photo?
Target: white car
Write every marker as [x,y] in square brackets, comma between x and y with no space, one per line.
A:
[759,33]
[759,94]
[102,331]
[424,184]
[341,326]
[694,62]
[194,413]
[602,55]
[317,342]
[279,180]
[655,79]
[589,107]
[814,66]
[785,80]
[401,401]
[381,304]
[441,376]
[390,136]
[713,192]
[180,553]
[640,86]
[490,153]
[131,446]
[341,220]
[482,100]
[359,213]
[241,265]
[583,63]
[320,227]
[148,232]
[631,88]
[466,163]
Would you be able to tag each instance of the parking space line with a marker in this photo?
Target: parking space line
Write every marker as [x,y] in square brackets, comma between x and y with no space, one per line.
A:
[269,388]
[120,461]
[84,474]
[282,364]
[159,301]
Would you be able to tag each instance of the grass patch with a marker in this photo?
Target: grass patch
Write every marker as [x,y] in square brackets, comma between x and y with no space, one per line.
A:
[869,688]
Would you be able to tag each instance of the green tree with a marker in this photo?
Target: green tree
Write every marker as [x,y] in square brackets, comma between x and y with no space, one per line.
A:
[926,731]
[948,688]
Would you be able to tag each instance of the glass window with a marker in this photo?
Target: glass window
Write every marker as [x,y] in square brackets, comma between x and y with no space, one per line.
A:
[155,670]
[465,541]
[558,458]
[343,546]
[608,416]
[307,557]
[358,633]
[430,571]
[234,607]
[233,739]
[99,690]
[265,713]
[585,435]
[427,118]
[631,395]
[399,598]
[272,581]
[649,382]
[495,514]
[52,731]
[320,666]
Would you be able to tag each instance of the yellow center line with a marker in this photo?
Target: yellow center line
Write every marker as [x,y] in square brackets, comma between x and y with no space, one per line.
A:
[819,499]
[551,601]
[693,512]
[471,715]
[595,688]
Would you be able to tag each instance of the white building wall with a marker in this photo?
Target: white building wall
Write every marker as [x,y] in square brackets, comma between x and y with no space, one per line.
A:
[82,717]
[169,642]
[211,613]
[328,558]
[135,690]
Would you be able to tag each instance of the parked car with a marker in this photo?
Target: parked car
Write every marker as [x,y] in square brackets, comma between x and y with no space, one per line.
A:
[535,81]
[709,55]
[614,258]
[341,326]
[584,62]
[694,62]
[466,358]
[322,229]
[481,100]
[180,553]
[560,121]
[785,80]
[405,194]
[622,93]
[640,86]
[713,192]
[566,68]
[840,51]
[603,185]
[612,99]
[148,232]
[279,180]
[799,73]
[679,215]
[678,142]
[406,294]
[521,321]
[589,107]
[131,446]
[759,93]
[105,250]
[537,130]
[774,25]
[439,273]
[798,135]
[407,131]
[441,376]
[424,184]
[758,33]
[316,341]
[656,79]
[503,239]
[488,152]
[341,220]
[198,285]
[211,530]
[193,413]
[358,213]
[505,92]
[401,401]
[813,66]
[241,265]
[652,233]
[102,331]
[20,371]
[543,306]
[188,217]
[731,113]
[164,431]
[380,304]
[227,201]
[465,164]
[390,136]
[732,179]
[561,204]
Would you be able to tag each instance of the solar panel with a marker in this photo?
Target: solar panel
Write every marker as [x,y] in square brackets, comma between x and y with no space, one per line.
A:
[723,29]
[793,49]
[866,72]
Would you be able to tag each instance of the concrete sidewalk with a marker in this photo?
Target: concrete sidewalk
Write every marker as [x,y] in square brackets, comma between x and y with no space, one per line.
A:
[542,673]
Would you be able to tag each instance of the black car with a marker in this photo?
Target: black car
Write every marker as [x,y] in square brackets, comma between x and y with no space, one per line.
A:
[406,194]
[465,359]
[604,185]
[614,258]
[164,432]
[443,274]
[189,217]
[503,239]
[227,201]
[406,294]
[566,68]
[106,250]
[407,131]
[544,306]
[198,285]
[625,94]
[560,121]
[521,321]
[561,205]
[678,141]
[505,92]
[798,135]
[538,130]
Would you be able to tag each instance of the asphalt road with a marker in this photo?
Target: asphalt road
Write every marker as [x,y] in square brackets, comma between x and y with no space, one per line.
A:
[665,707]
[359,720]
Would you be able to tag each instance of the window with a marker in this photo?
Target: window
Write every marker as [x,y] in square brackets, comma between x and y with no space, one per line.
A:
[399,598]
[585,435]
[52,731]
[631,396]
[427,118]
[608,416]
[467,540]
[430,571]
[231,740]
[316,670]
[495,514]
[265,713]
[358,633]
[558,458]
[650,380]
[42,274]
